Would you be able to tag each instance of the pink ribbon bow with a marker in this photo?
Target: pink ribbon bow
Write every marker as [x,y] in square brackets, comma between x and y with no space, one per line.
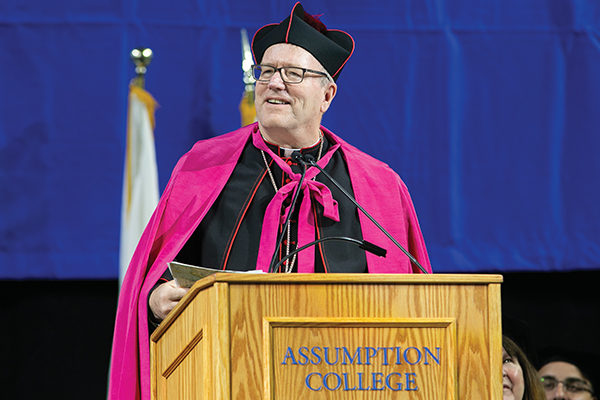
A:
[276,213]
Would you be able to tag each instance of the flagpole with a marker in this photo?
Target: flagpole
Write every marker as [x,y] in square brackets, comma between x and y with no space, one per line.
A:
[140,176]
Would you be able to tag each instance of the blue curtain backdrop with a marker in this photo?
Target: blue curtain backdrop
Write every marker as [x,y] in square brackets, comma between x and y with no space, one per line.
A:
[490,112]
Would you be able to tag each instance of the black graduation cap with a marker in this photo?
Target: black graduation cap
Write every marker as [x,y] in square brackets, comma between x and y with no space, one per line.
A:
[331,47]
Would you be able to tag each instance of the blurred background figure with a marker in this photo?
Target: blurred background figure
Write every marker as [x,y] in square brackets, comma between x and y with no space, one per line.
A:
[519,378]
[566,378]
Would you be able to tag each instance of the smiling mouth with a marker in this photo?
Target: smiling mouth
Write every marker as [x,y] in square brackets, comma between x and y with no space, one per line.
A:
[275,101]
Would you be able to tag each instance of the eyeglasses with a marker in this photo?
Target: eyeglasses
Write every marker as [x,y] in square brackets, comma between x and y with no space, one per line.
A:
[264,73]
[571,385]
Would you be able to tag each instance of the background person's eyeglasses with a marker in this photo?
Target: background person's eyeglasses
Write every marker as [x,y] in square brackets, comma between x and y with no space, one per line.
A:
[571,385]
[264,73]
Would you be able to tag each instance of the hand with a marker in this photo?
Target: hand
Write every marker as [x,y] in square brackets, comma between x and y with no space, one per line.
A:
[164,298]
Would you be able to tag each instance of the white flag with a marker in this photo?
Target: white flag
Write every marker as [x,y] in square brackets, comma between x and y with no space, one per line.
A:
[140,179]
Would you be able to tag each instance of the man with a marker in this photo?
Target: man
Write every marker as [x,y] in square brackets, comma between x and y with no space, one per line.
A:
[562,379]
[227,198]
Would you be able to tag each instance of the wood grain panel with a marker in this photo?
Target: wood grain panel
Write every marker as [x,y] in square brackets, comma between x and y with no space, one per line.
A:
[368,358]
[468,304]
[184,381]
[183,354]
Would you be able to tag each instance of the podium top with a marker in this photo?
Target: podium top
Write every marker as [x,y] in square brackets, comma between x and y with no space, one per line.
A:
[323,279]
[262,278]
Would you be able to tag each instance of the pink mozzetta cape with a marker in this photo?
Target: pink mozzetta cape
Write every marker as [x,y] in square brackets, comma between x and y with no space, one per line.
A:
[195,184]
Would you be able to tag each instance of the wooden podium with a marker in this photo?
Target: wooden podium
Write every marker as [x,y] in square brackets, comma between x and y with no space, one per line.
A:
[332,336]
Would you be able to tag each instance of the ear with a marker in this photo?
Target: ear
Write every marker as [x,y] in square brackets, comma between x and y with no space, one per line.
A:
[329,93]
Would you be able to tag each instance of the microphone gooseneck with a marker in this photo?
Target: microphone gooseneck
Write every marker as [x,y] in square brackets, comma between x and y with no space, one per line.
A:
[363,244]
[310,160]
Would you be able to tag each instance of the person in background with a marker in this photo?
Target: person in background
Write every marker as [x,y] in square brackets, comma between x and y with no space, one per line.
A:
[564,378]
[519,378]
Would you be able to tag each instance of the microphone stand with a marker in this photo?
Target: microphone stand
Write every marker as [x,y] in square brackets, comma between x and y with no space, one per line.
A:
[309,159]
[298,157]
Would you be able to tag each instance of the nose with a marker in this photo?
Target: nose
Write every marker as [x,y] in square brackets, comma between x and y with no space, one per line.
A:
[559,392]
[276,82]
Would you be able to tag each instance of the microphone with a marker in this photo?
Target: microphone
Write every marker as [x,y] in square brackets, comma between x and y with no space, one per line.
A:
[296,156]
[310,160]
[363,244]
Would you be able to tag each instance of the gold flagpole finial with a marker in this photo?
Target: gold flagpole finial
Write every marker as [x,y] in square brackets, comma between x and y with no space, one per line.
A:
[247,63]
[141,57]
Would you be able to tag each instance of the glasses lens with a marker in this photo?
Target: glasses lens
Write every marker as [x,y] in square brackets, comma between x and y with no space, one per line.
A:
[575,385]
[263,72]
[549,383]
[292,74]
